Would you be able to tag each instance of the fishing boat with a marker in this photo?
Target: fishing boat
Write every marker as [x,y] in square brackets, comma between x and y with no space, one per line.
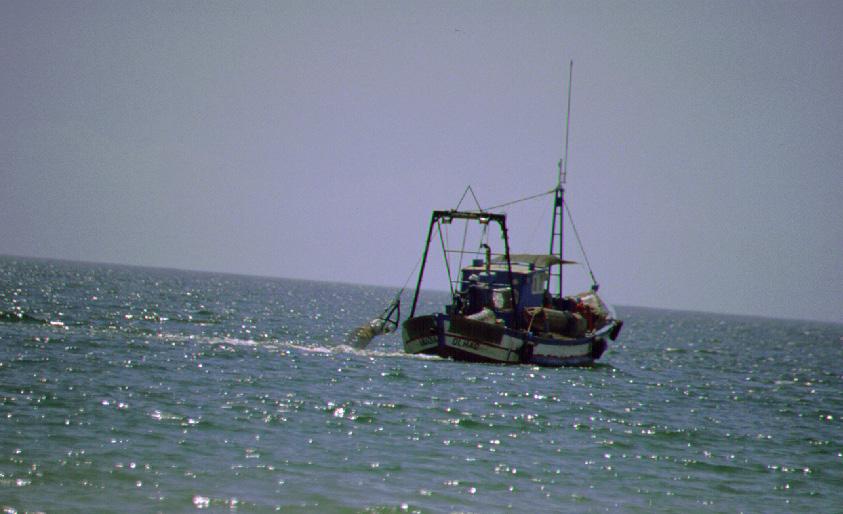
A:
[502,309]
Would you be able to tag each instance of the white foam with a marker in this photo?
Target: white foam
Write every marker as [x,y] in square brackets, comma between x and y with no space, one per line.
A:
[297,345]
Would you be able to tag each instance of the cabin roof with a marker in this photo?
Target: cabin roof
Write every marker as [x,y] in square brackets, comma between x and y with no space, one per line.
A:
[518,269]
[538,260]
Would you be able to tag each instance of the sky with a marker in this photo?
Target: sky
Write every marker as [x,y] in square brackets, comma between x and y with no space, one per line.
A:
[312,139]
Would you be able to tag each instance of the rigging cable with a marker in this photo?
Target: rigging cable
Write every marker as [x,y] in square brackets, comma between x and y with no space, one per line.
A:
[411,275]
[465,224]
[594,284]
[467,190]
[533,197]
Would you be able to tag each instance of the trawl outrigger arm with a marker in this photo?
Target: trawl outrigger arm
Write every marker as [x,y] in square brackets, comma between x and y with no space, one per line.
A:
[383,324]
[481,217]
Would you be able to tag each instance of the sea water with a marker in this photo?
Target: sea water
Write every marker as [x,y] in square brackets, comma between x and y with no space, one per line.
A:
[142,390]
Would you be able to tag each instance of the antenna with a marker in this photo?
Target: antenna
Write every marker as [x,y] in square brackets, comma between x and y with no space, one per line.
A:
[557,228]
[563,170]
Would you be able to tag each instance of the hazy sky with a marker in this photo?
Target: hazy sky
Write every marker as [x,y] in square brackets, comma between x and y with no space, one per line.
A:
[312,139]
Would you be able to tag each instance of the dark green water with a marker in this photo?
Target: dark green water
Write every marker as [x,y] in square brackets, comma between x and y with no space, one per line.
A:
[137,390]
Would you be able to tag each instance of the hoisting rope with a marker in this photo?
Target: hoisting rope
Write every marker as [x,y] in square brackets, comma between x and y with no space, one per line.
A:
[445,255]
[462,248]
[594,284]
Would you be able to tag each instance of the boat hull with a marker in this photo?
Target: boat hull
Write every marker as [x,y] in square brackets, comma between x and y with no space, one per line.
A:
[464,339]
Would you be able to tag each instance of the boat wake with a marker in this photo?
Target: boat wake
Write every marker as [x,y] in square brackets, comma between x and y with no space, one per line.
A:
[281,345]
[346,349]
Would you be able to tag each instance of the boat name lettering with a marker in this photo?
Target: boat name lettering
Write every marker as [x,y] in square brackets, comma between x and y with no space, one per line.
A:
[465,343]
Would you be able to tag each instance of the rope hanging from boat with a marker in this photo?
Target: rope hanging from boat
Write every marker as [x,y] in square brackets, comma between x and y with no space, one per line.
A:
[410,276]
[594,284]
[445,255]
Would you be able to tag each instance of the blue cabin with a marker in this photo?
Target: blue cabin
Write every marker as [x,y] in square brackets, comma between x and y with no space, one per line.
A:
[486,284]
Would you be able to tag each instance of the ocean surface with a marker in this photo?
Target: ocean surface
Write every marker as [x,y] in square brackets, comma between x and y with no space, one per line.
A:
[127,389]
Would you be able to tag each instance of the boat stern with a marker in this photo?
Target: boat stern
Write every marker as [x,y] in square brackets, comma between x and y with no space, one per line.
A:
[420,335]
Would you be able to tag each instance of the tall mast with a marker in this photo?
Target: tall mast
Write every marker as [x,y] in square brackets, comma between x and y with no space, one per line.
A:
[557,228]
